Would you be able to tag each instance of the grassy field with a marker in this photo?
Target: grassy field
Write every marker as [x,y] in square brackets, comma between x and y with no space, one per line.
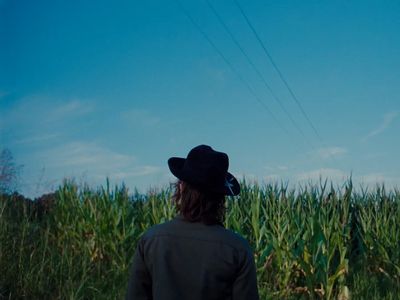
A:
[315,242]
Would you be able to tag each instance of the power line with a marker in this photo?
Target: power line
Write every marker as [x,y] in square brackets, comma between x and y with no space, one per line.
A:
[221,21]
[282,77]
[278,71]
[233,69]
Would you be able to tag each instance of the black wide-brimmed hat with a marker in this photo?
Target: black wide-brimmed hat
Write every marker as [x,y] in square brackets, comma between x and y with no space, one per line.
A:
[206,169]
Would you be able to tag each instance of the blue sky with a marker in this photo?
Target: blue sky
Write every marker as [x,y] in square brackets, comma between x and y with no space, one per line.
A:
[90,89]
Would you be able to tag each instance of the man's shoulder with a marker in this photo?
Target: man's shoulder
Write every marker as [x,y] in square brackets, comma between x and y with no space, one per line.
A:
[234,239]
[157,229]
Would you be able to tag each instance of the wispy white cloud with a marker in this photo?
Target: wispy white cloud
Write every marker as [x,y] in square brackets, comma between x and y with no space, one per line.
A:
[137,171]
[140,117]
[37,138]
[323,173]
[241,175]
[281,168]
[372,179]
[41,119]
[329,152]
[87,155]
[272,177]
[38,111]
[71,108]
[339,176]
[374,155]
[336,176]
[388,119]
[96,161]
[90,163]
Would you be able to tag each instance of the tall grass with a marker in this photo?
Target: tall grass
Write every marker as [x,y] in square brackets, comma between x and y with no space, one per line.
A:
[317,242]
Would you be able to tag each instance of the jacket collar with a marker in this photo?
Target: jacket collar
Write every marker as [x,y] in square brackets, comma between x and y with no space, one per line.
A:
[181,218]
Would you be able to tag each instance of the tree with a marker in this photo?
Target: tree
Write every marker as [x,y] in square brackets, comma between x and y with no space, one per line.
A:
[9,172]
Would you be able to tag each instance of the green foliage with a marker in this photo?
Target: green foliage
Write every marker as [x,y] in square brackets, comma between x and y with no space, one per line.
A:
[314,243]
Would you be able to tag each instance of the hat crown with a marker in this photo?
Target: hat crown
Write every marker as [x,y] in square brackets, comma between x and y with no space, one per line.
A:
[205,168]
[204,156]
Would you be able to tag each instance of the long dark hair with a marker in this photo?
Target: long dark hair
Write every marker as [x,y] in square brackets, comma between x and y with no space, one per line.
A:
[196,205]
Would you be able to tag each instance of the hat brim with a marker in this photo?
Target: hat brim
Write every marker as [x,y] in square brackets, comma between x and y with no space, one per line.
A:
[176,166]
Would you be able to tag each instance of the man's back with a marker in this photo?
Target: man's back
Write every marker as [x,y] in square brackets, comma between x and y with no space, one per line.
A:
[184,260]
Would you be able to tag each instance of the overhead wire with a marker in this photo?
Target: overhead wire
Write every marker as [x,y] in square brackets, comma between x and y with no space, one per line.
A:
[257,71]
[233,69]
[294,97]
[283,79]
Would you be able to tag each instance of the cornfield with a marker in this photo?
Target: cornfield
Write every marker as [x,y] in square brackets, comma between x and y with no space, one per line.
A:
[313,242]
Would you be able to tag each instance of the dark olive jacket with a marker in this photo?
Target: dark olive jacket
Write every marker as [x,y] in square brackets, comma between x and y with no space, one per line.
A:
[180,260]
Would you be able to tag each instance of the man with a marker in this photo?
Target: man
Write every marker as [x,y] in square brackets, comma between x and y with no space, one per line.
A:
[193,256]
